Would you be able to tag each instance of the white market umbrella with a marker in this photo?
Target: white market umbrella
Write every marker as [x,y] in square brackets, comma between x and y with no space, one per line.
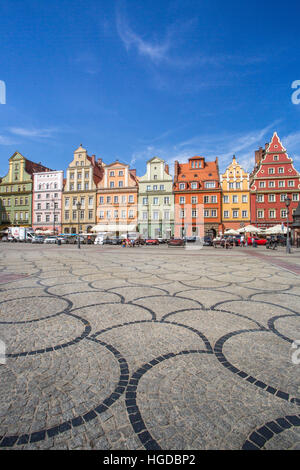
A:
[276,229]
[231,231]
[250,229]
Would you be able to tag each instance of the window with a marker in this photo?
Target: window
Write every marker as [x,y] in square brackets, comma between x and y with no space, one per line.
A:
[213,199]
[210,184]
[71,187]
[238,185]
[86,175]
[281,184]
[231,185]
[213,213]
[116,214]
[38,206]
[280,170]
[91,200]
[145,215]
[275,158]
[291,184]
[194,200]
[71,177]
[111,184]
[155,177]
[206,213]
[260,198]
[47,218]
[120,184]
[283,213]
[295,197]
[38,218]
[79,186]
[79,176]
[74,215]
[194,185]
[111,173]
[108,214]
[260,214]
[194,213]
[271,171]
[235,214]
[272,214]
[271,184]
[166,200]
[226,214]
[206,199]
[235,199]
[244,198]
[66,215]
[282,197]
[123,199]
[155,201]
[116,199]
[162,187]
[86,185]
[148,188]
[82,214]
[47,205]
[155,215]
[155,187]
[55,195]
[108,199]
[272,198]
[226,199]
[166,215]
[121,173]
[262,184]
[123,214]
[101,200]
[181,185]
[130,214]
[182,200]
[145,201]
[244,214]
[182,213]
[130,199]
[101,215]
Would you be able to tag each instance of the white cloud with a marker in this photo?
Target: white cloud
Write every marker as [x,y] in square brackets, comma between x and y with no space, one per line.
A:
[32,133]
[223,145]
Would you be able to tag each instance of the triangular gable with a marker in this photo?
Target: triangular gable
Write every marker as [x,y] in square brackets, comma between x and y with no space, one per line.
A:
[275,146]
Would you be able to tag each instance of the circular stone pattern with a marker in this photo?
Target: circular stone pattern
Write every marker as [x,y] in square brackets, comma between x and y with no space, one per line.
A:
[31,308]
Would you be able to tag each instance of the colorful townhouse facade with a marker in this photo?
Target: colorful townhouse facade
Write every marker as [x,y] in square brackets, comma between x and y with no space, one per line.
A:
[156,201]
[117,199]
[197,192]
[235,186]
[79,193]
[273,179]
[16,189]
[47,201]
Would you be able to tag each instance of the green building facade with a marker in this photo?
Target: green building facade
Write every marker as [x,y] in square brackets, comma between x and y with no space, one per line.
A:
[156,201]
[16,192]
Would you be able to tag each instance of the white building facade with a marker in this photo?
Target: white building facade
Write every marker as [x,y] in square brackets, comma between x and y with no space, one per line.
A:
[47,201]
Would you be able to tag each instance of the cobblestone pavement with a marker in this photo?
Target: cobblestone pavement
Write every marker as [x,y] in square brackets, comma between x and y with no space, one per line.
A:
[148,348]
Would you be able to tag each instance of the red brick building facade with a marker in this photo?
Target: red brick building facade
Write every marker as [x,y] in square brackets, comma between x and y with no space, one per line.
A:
[197,193]
[273,178]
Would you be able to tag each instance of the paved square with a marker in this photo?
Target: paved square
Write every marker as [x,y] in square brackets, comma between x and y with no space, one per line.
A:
[149,348]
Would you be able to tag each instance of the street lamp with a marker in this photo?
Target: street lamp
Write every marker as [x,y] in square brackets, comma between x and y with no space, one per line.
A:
[78,209]
[287,201]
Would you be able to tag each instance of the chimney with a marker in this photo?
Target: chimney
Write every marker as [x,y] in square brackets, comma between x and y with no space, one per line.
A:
[93,159]
[176,170]
[259,155]
[167,168]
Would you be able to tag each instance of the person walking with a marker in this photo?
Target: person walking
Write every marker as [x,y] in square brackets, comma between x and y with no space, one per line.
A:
[242,241]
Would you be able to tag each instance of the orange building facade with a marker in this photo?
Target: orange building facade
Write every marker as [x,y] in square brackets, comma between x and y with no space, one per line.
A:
[117,200]
[197,193]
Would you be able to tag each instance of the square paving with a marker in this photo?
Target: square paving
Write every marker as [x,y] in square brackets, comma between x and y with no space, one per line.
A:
[149,348]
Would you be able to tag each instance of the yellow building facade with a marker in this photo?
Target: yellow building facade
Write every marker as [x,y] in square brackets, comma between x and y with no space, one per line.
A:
[235,196]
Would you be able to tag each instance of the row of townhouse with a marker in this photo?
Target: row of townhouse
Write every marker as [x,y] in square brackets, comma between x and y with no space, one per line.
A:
[197,201]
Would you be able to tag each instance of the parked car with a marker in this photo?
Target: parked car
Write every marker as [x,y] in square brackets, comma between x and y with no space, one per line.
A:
[152,241]
[139,242]
[37,239]
[176,242]
[50,240]
[161,240]
[207,241]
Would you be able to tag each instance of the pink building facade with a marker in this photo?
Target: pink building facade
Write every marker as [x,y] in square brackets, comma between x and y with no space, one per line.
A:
[47,201]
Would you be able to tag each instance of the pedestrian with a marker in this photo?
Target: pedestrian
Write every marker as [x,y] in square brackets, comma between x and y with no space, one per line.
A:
[242,241]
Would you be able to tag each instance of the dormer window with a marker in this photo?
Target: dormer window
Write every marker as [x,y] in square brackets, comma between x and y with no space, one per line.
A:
[210,184]
[194,185]
[181,185]
[275,158]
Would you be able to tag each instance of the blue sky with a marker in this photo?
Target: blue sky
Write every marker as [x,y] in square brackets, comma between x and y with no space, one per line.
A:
[134,79]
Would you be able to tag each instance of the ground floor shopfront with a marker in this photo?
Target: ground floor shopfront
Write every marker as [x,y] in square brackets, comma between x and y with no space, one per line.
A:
[156,230]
